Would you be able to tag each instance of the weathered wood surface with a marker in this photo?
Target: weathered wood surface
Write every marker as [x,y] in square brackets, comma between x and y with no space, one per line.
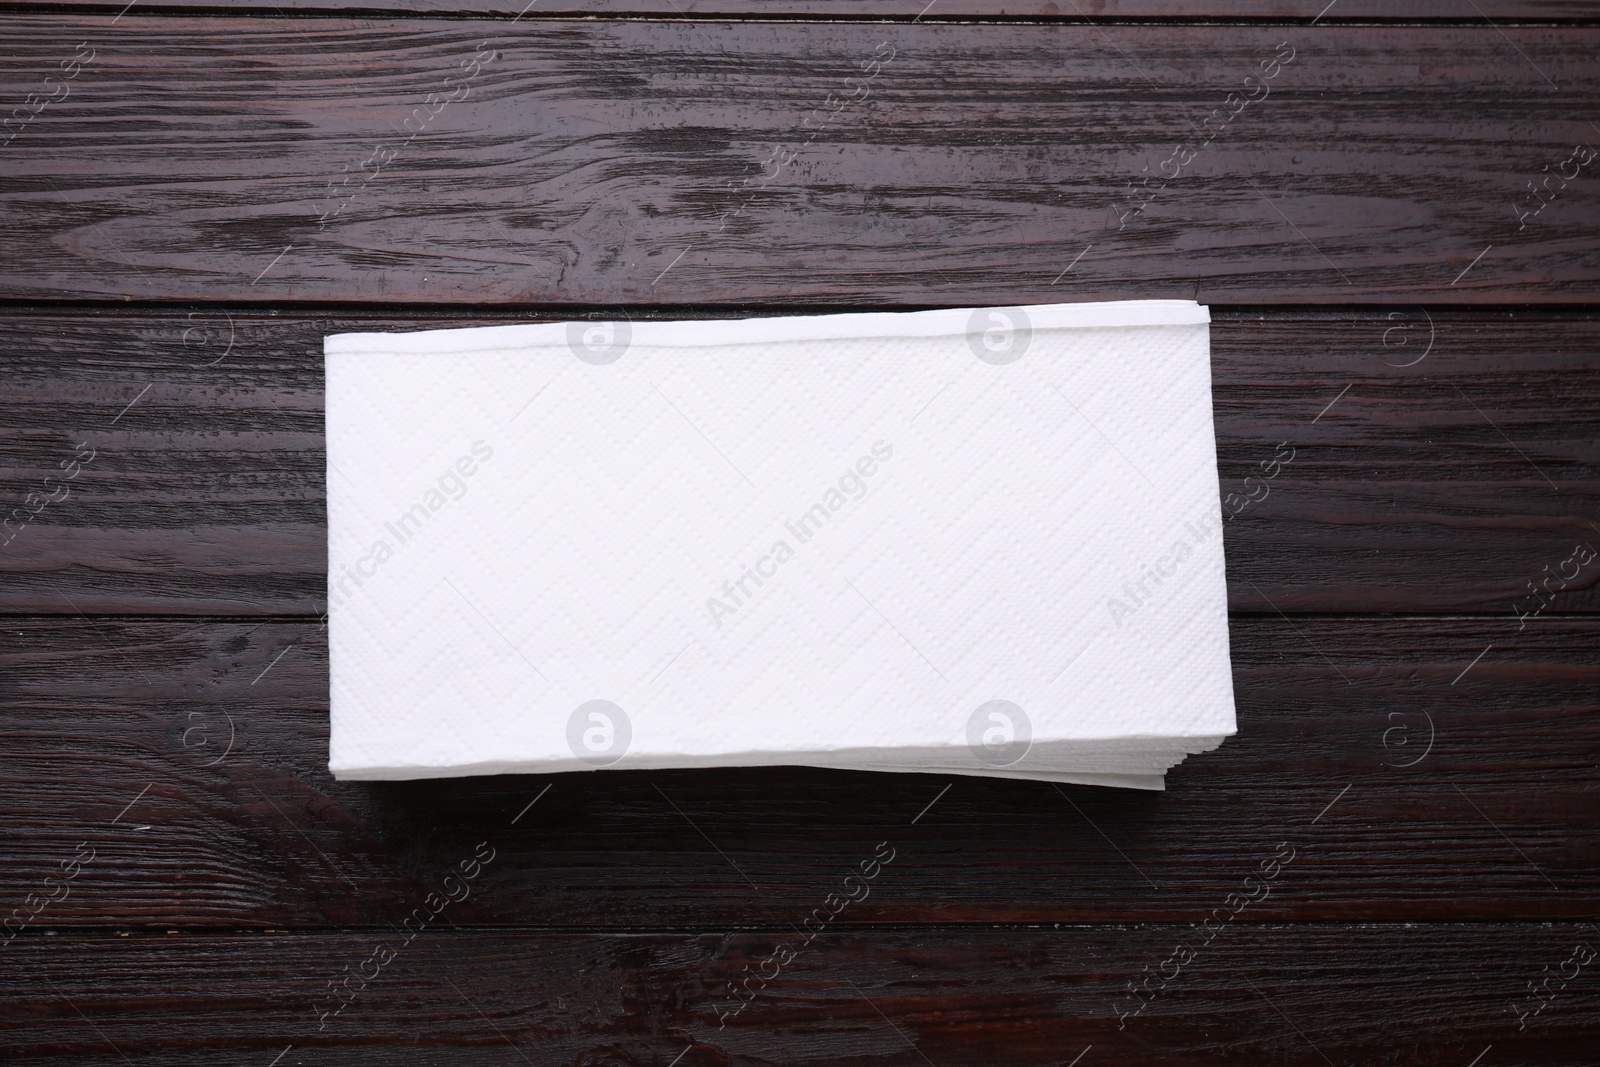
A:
[591,162]
[1415,780]
[1288,11]
[1435,776]
[1398,994]
[1449,484]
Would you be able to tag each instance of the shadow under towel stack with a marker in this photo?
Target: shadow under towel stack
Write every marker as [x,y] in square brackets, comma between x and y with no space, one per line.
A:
[979,541]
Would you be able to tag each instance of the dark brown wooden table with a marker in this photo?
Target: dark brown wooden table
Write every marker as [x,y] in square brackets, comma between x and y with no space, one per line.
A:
[1395,216]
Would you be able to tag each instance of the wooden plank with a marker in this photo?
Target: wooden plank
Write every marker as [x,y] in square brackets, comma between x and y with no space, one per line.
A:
[940,10]
[599,162]
[1448,484]
[1399,994]
[1414,772]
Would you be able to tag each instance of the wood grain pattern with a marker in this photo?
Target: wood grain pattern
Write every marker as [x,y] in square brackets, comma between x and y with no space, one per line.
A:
[1408,996]
[938,11]
[1472,785]
[213,192]
[1446,485]
[590,162]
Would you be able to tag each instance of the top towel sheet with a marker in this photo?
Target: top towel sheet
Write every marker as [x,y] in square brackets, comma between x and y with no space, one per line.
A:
[835,540]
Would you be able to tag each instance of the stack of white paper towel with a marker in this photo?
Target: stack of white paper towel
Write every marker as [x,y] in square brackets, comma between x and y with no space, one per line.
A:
[979,541]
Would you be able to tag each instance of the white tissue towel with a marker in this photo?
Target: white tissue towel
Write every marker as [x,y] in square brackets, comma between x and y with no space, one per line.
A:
[981,541]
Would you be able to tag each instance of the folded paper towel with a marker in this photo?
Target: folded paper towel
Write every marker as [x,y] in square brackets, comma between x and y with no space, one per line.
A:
[978,541]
